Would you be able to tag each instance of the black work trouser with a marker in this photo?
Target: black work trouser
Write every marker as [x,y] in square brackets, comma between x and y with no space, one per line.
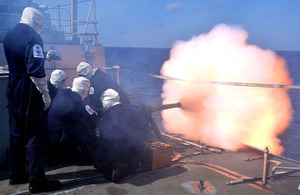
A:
[28,135]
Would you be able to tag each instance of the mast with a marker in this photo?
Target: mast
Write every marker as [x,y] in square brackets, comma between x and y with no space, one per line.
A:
[74,6]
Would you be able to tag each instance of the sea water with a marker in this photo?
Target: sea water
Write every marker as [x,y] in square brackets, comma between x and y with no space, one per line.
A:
[150,60]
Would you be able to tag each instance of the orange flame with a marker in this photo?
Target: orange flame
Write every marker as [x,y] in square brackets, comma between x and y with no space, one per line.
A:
[227,116]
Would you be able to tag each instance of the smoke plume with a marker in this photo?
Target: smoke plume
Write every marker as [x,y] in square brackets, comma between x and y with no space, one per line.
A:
[223,115]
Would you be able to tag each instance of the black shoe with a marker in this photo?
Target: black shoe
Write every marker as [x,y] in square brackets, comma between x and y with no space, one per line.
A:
[44,186]
[105,169]
[117,175]
[22,178]
[107,174]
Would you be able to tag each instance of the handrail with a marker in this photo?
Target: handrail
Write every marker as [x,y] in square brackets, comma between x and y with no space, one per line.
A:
[291,169]
[116,68]
[240,84]
[93,36]
[59,19]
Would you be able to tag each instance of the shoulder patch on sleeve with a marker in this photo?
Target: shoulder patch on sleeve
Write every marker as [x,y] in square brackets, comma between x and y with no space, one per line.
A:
[37,51]
[89,109]
[92,90]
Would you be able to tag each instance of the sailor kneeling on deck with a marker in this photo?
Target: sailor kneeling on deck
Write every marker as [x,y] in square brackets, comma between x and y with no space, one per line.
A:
[121,137]
[72,124]
[100,81]
[56,82]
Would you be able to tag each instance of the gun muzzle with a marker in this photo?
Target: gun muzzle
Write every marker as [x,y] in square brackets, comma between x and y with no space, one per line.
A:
[164,107]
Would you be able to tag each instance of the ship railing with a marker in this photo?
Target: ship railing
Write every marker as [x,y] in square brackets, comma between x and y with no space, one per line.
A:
[85,38]
[289,170]
[115,68]
[59,16]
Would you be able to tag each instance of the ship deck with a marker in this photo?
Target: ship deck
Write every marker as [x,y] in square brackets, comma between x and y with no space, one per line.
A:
[214,170]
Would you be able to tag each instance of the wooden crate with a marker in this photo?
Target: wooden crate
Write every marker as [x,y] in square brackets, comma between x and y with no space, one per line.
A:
[158,155]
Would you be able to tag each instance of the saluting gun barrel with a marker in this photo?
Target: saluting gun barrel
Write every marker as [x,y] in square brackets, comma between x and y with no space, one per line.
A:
[147,119]
[164,107]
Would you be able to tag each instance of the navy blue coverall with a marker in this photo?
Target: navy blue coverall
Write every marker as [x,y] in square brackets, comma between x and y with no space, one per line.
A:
[101,81]
[52,90]
[122,138]
[27,122]
[71,122]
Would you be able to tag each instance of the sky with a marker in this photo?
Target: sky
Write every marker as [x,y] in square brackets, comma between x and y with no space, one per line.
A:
[271,24]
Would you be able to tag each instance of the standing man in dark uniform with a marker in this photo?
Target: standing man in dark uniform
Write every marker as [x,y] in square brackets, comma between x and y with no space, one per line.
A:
[28,98]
